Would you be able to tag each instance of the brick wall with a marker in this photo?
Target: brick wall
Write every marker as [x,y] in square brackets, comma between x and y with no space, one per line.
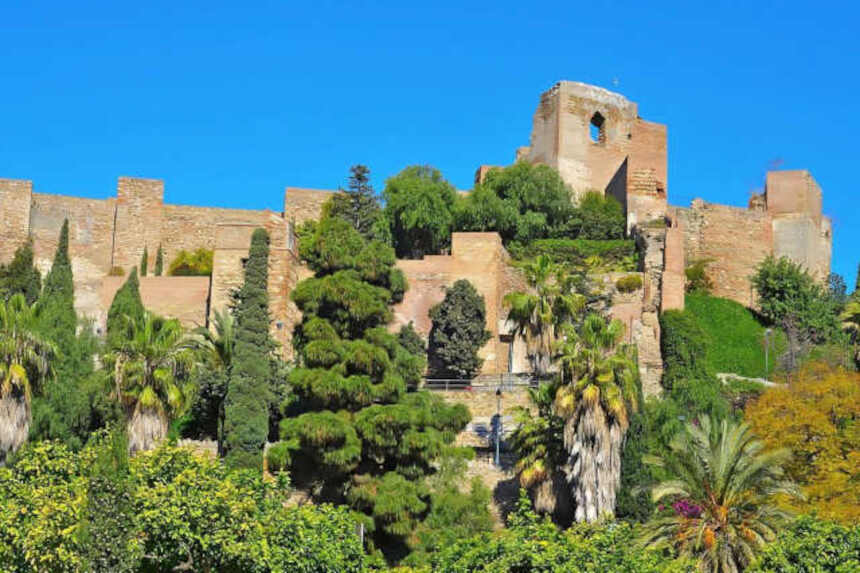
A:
[184,298]
[734,239]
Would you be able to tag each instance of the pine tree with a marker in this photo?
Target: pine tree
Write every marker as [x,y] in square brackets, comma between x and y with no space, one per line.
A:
[144,262]
[359,206]
[159,261]
[126,305]
[246,409]
[356,432]
[20,276]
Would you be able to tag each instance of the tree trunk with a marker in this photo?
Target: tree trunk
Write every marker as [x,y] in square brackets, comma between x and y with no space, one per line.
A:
[146,429]
[552,497]
[594,446]
[14,423]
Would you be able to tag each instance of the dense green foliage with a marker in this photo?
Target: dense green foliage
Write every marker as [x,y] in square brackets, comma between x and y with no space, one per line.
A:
[246,405]
[531,544]
[186,264]
[178,510]
[789,297]
[582,254]
[355,436]
[359,206]
[20,275]
[71,404]
[526,202]
[126,307]
[810,544]
[458,333]
[419,205]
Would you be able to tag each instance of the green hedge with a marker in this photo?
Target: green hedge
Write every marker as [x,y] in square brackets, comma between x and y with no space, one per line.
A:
[618,254]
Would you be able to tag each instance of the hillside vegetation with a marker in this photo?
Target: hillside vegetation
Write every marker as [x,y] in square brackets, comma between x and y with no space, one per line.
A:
[735,337]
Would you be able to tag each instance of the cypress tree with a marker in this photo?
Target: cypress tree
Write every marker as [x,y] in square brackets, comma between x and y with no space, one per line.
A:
[63,408]
[458,332]
[159,261]
[20,276]
[126,303]
[59,320]
[246,405]
[144,262]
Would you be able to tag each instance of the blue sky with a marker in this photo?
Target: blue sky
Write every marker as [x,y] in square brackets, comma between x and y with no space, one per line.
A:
[231,102]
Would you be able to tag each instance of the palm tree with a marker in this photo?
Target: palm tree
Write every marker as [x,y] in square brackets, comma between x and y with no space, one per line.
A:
[850,318]
[215,351]
[25,358]
[538,314]
[538,443]
[150,374]
[723,484]
[597,395]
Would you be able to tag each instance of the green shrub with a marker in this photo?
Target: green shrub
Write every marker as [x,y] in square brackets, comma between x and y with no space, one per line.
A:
[617,255]
[812,545]
[698,280]
[630,283]
[198,263]
[116,272]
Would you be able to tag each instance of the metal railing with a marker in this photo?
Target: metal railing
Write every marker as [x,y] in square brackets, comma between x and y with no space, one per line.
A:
[485,382]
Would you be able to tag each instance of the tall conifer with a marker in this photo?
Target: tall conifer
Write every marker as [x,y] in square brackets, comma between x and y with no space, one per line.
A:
[246,410]
[144,262]
[126,305]
[159,261]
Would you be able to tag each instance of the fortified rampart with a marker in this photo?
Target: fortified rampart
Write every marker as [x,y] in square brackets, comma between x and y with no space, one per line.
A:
[593,137]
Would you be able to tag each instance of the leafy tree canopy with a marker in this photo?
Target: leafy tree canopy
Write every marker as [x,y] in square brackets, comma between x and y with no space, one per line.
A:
[198,263]
[811,544]
[418,205]
[817,417]
[787,293]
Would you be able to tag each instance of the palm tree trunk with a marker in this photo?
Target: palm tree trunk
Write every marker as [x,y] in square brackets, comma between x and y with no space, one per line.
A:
[593,469]
[14,423]
[146,429]
[552,497]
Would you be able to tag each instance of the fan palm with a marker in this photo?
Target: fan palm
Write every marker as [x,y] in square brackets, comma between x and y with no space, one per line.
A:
[537,315]
[150,373]
[597,395]
[538,443]
[723,485]
[214,349]
[25,358]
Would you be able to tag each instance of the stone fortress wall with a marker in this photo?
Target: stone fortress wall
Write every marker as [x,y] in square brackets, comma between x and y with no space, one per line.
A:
[594,137]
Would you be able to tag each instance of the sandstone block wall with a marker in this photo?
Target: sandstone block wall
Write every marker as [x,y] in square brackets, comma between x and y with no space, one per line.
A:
[481,259]
[184,298]
[15,199]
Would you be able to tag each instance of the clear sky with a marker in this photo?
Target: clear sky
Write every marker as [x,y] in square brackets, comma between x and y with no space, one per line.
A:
[229,103]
